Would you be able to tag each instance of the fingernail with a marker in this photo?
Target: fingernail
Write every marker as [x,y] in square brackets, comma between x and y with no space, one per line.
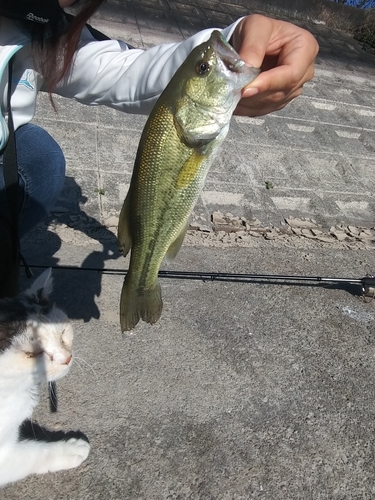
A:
[250,92]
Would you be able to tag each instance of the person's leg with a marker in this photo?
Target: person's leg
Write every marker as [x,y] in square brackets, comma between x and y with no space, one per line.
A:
[41,167]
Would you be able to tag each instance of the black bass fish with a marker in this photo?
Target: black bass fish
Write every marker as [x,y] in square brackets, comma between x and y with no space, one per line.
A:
[182,135]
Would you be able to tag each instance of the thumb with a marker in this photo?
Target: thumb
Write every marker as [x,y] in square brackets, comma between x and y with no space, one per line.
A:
[251,39]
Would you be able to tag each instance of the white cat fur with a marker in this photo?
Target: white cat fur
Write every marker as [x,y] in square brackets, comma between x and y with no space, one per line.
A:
[40,354]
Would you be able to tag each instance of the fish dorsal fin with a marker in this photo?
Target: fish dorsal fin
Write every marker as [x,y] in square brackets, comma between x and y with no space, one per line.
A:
[124,235]
[176,245]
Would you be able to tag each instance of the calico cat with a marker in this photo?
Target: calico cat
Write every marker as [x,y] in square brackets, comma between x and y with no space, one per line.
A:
[35,348]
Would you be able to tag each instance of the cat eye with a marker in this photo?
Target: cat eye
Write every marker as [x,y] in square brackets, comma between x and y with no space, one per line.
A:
[33,354]
[63,340]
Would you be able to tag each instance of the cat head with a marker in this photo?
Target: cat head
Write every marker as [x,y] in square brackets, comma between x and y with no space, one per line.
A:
[35,335]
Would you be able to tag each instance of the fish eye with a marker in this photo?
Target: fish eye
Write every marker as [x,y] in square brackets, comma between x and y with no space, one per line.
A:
[202,67]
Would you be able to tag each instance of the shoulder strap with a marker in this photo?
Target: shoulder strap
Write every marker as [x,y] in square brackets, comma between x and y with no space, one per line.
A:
[10,173]
[98,35]
[10,168]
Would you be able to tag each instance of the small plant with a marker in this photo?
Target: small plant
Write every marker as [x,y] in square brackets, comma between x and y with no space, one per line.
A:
[269,185]
[100,191]
[366,35]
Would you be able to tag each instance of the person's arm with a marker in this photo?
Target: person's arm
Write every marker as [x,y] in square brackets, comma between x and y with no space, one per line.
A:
[131,80]
[109,73]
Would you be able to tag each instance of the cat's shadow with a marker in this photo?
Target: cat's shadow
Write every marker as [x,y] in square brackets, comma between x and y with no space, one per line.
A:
[74,290]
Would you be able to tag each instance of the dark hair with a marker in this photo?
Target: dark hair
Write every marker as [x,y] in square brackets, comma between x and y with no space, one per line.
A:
[55,44]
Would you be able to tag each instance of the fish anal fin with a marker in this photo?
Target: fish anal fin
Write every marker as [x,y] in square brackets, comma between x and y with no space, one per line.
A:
[136,304]
[176,245]
[124,235]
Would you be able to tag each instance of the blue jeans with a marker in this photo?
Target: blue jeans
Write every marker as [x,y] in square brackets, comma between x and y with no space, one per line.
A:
[41,170]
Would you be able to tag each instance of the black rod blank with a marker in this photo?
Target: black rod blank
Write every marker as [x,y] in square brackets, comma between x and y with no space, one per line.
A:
[367,282]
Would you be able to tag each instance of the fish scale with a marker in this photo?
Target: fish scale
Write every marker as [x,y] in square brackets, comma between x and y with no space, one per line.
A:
[187,125]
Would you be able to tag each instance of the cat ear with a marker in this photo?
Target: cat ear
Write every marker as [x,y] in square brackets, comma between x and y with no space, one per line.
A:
[42,287]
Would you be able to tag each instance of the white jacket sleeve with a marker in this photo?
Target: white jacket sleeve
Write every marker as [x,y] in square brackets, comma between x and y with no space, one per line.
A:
[109,73]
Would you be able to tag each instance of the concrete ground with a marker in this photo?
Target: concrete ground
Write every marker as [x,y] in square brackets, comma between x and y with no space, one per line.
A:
[241,390]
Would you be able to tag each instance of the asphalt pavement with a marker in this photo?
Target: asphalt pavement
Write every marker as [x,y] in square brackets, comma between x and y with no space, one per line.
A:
[241,390]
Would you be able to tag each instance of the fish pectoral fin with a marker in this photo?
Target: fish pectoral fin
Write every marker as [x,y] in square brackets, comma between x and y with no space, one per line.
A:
[124,235]
[189,169]
[175,246]
[137,303]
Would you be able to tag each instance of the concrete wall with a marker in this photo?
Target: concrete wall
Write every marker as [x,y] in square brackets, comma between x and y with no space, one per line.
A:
[333,14]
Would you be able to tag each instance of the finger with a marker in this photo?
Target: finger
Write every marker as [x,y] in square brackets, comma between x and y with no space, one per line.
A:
[261,105]
[243,110]
[253,113]
[271,81]
[279,78]
[251,39]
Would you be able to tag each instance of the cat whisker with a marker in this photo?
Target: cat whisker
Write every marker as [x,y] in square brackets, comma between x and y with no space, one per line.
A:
[77,358]
[32,428]
[52,389]
[53,401]
[66,305]
[78,363]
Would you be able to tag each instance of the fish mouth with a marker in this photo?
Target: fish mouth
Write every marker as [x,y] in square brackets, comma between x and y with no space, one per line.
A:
[229,60]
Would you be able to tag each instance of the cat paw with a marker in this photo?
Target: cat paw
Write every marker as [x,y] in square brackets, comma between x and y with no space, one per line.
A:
[75,452]
[65,455]
[41,457]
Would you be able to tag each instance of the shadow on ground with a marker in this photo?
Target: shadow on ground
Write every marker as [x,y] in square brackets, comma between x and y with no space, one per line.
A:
[41,246]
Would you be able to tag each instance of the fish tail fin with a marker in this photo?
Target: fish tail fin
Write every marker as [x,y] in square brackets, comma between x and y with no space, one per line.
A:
[136,304]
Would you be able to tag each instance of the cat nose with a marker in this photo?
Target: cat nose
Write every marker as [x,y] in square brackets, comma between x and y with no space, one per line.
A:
[68,360]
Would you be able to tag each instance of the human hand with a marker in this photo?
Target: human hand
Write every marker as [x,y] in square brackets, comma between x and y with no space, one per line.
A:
[284,52]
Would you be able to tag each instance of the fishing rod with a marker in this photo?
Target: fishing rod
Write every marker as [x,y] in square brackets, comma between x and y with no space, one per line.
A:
[367,283]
